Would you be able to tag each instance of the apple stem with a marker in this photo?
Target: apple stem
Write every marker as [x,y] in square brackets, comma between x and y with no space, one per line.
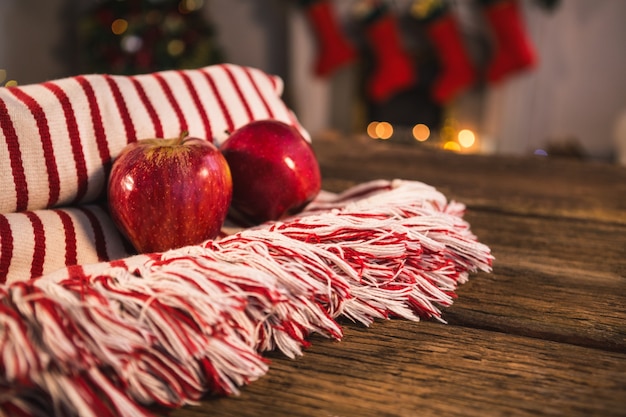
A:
[182,137]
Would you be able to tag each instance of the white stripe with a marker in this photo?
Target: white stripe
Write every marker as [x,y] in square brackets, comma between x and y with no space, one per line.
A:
[165,112]
[87,136]
[250,94]
[61,144]
[32,155]
[209,104]
[23,247]
[136,109]
[186,103]
[111,119]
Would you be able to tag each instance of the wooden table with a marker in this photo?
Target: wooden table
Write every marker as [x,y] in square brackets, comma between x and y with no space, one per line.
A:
[543,334]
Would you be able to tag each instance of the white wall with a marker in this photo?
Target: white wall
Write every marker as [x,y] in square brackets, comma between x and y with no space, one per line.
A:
[31,33]
[578,89]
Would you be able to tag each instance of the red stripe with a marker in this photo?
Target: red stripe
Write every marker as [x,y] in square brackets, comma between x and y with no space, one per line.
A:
[198,104]
[154,117]
[119,263]
[156,123]
[39,255]
[71,254]
[15,154]
[98,234]
[172,100]
[229,120]
[237,87]
[258,91]
[131,133]
[96,120]
[6,247]
[74,136]
[44,135]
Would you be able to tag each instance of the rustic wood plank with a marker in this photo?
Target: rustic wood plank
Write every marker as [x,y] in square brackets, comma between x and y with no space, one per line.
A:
[523,185]
[543,334]
[557,279]
[398,368]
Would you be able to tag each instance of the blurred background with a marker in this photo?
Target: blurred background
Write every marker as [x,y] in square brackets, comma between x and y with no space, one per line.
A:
[543,77]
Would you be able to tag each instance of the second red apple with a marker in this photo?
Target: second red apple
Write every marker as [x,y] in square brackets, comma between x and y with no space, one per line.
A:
[274,169]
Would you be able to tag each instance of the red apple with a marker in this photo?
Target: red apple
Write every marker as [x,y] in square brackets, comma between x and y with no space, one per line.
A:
[274,169]
[168,193]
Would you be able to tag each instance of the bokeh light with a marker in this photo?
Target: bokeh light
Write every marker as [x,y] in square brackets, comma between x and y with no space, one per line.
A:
[175,47]
[452,146]
[466,138]
[379,130]
[371,130]
[3,75]
[131,43]
[188,6]
[119,26]
[421,132]
[384,130]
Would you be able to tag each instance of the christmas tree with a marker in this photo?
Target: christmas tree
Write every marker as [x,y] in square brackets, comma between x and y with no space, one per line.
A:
[140,36]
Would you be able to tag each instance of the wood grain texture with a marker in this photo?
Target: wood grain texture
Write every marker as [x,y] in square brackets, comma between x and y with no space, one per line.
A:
[543,334]
[557,279]
[397,368]
[524,185]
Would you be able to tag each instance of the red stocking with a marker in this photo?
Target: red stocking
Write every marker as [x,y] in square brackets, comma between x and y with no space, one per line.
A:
[456,69]
[334,49]
[513,50]
[394,70]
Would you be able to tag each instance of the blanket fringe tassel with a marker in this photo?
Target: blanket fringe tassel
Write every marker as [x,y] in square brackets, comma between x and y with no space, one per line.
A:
[114,339]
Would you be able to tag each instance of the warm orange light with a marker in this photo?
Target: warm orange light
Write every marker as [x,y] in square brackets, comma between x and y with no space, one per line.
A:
[188,6]
[371,130]
[466,138]
[384,130]
[421,132]
[452,146]
[119,26]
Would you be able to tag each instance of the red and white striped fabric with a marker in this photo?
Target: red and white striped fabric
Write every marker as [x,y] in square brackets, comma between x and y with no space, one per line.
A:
[35,243]
[88,330]
[108,339]
[57,138]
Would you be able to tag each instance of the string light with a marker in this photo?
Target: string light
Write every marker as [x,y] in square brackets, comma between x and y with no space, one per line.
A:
[3,76]
[175,47]
[384,130]
[371,130]
[466,138]
[131,43]
[421,132]
[380,130]
[452,146]
[188,6]
[119,26]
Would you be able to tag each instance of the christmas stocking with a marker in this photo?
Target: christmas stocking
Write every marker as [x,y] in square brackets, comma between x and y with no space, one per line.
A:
[513,50]
[334,50]
[456,71]
[394,70]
